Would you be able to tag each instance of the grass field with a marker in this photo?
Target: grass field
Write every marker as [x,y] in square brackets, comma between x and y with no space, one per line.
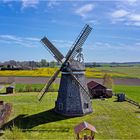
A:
[128,71]
[33,120]
[133,92]
[123,72]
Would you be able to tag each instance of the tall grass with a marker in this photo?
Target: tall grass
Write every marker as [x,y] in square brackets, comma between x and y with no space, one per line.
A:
[35,87]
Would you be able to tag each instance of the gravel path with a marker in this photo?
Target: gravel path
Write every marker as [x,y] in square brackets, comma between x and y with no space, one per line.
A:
[42,80]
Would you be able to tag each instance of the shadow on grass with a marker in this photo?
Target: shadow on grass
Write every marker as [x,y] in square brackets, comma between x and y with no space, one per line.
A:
[27,122]
[137,111]
[5,94]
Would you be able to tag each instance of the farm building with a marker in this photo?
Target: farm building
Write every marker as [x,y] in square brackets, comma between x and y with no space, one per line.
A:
[10,89]
[98,90]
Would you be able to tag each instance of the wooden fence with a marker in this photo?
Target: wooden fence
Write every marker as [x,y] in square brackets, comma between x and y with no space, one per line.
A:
[132,102]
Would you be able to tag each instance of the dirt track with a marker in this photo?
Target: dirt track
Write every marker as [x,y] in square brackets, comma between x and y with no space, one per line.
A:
[42,80]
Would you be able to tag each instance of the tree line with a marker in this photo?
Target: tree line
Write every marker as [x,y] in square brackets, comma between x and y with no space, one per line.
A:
[31,64]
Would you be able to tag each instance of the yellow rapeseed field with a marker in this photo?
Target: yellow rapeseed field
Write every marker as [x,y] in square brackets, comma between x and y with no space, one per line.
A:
[47,72]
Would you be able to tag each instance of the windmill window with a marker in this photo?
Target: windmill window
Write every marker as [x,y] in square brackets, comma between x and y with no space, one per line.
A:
[73,82]
[60,106]
[70,94]
[86,105]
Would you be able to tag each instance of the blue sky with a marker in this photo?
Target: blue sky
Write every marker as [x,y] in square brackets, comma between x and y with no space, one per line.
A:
[115,36]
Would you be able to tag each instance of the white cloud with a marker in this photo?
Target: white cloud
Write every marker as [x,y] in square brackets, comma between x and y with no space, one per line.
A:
[138,44]
[126,12]
[20,41]
[131,2]
[84,10]
[116,46]
[136,23]
[62,43]
[7,1]
[92,21]
[119,14]
[126,17]
[52,3]
[10,37]
[110,37]
[24,3]
[29,3]
[135,17]
[102,45]
[32,39]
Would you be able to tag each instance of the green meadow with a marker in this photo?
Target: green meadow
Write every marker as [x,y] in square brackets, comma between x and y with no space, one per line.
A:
[31,119]
[131,72]
[132,92]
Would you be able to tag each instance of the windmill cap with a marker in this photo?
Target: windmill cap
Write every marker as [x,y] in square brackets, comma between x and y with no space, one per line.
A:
[77,66]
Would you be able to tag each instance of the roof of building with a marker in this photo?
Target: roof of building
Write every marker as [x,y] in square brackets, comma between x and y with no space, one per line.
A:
[93,84]
[10,87]
[82,126]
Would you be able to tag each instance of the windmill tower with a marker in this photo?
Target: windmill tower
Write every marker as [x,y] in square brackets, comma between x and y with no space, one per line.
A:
[73,97]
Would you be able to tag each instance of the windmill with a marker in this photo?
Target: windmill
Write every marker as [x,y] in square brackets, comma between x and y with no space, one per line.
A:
[73,97]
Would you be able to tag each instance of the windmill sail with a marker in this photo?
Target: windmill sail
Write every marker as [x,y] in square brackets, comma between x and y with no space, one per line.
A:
[70,55]
[73,97]
[48,84]
[56,53]
[79,42]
